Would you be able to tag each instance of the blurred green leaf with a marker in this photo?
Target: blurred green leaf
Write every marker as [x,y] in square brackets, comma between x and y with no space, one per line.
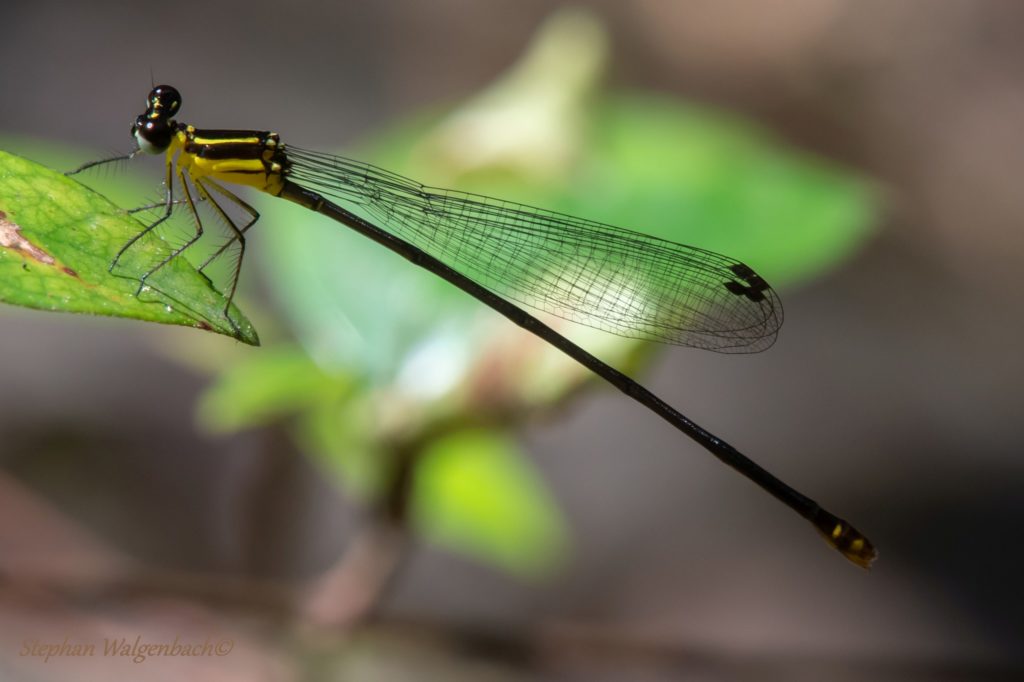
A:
[682,172]
[652,164]
[710,179]
[57,238]
[475,492]
[341,436]
[278,383]
[353,303]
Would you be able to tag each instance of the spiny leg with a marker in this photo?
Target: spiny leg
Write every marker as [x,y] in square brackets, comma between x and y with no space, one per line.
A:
[158,204]
[204,186]
[168,203]
[234,198]
[178,251]
[102,162]
[168,207]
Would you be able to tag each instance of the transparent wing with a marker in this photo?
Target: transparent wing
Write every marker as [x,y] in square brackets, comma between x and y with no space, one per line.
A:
[622,282]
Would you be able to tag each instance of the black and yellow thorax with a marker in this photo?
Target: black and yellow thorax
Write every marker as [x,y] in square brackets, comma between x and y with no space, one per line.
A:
[253,158]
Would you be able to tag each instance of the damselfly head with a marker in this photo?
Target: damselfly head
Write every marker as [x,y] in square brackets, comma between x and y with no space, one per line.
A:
[154,129]
[163,101]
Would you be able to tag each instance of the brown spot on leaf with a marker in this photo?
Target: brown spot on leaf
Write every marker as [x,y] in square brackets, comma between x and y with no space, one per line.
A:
[12,238]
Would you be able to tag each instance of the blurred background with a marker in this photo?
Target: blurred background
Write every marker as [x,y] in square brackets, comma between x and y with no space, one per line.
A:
[398,485]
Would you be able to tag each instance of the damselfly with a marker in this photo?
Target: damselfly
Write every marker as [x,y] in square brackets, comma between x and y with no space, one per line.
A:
[501,253]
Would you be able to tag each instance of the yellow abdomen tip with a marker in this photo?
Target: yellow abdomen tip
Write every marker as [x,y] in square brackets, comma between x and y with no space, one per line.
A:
[853,544]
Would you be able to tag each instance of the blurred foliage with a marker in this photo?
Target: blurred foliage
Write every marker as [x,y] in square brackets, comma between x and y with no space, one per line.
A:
[57,239]
[434,367]
[276,384]
[474,489]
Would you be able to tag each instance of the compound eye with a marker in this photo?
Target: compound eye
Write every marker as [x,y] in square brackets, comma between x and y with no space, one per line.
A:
[164,100]
[152,135]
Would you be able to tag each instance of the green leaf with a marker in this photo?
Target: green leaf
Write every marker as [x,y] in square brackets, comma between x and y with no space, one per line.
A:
[476,493]
[123,188]
[57,240]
